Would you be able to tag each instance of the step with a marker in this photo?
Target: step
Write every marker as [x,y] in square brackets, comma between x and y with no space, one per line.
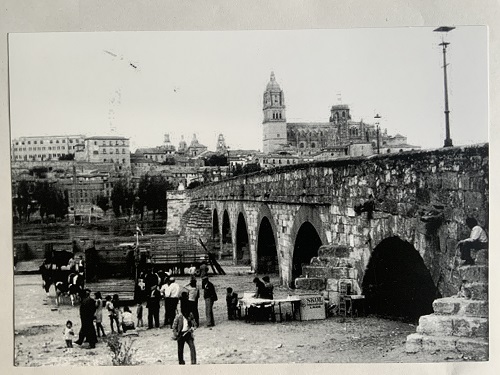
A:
[475,291]
[311,283]
[334,251]
[452,325]
[476,348]
[475,273]
[460,306]
[329,272]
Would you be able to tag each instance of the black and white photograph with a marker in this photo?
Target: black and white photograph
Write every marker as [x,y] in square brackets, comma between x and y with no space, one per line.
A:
[250,197]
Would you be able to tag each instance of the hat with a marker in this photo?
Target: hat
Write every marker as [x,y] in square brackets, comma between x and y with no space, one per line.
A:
[171,278]
[204,277]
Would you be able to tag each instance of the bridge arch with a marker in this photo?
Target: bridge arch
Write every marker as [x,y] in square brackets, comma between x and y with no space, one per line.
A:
[267,252]
[216,230]
[396,282]
[308,235]
[242,241]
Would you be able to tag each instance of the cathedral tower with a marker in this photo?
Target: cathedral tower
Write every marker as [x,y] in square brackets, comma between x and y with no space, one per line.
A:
[274,123]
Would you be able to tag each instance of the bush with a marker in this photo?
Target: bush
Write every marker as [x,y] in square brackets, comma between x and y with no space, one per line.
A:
[121,350]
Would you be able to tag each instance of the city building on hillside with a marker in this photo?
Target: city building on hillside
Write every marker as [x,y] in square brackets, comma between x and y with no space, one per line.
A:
[105,149]
[318,138]
[195,149]
[42,148]
[278,159]
[242,157]
[84,188]
[221,147]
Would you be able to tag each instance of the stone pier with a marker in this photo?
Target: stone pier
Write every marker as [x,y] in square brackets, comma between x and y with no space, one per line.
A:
[459,324]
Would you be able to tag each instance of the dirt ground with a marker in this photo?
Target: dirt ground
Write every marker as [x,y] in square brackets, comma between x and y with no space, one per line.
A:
[39,340]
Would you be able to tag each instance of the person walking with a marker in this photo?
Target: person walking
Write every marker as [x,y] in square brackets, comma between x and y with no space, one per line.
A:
[153,305]
[210,297]
[183,328]
[170,291]
[87,312]
[192,302]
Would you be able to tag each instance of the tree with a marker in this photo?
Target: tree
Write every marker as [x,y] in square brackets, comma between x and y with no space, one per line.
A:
[152,193]
[216,160]
[102,202]
[122,198]
[51,200]
[23,199]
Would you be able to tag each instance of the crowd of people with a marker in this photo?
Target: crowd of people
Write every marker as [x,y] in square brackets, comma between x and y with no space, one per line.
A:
[180,309]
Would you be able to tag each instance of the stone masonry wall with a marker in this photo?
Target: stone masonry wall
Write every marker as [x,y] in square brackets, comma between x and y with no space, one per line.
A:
[421,196]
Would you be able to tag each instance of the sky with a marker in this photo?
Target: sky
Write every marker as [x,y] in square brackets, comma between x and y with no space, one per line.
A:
[144,84]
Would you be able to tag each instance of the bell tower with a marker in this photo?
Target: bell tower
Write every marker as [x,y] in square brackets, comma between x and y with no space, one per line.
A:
[274,123]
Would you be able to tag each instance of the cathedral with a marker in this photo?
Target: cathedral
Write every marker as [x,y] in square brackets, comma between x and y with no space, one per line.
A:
[312,138]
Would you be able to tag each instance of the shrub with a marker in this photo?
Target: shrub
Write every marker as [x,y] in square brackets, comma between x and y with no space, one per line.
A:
[121,349]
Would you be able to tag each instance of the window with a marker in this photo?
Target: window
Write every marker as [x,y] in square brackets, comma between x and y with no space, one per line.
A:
[51,141]
[29,142]
[278,135]
[96,152]
[57,140]
[63,141]
[35,142]
[22,143]
[70,141]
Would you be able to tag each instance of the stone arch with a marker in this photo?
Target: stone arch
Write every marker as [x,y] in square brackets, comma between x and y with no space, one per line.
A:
[267,252]
[308,235]
[396,282]
[242,241]
[216,230]
[226,229]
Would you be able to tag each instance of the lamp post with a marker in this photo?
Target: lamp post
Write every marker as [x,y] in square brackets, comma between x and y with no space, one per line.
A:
[377,119]
[444,29]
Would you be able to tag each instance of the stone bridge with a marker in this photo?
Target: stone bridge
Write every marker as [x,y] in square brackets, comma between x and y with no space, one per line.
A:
[397,217]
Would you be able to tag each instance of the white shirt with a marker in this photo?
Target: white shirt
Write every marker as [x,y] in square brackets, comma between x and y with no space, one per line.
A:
[477,234]
[171,291]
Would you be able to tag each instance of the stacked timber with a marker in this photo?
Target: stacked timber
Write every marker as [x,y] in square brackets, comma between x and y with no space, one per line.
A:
[459,323]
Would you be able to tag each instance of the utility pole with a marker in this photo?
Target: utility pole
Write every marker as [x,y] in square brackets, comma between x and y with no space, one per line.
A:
[447,142]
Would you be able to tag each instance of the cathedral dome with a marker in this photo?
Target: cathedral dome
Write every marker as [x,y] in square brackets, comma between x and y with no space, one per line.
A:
[273,85]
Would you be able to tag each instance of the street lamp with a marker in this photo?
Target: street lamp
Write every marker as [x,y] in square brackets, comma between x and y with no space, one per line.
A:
[444,29]
[377,119]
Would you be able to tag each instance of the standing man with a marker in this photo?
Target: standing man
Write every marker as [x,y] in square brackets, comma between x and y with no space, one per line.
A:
[192,302]
[210,297]
[477,240]
[182,329]
[153,305]
[269,288]
[170,291]
[203,269]
[87,312]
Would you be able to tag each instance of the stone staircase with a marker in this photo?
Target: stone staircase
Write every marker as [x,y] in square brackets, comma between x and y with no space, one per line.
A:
[459,324]
[197,222]
[325,272]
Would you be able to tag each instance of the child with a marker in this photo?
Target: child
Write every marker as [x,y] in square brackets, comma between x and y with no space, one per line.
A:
[98,315]
[69,334]
[113,316]
[140,323]
[127,320]
[232,303]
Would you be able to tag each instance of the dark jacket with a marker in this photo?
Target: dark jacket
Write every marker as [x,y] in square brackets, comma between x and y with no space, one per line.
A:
[153,301]
[87,309]
[179,322]
[209,290]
